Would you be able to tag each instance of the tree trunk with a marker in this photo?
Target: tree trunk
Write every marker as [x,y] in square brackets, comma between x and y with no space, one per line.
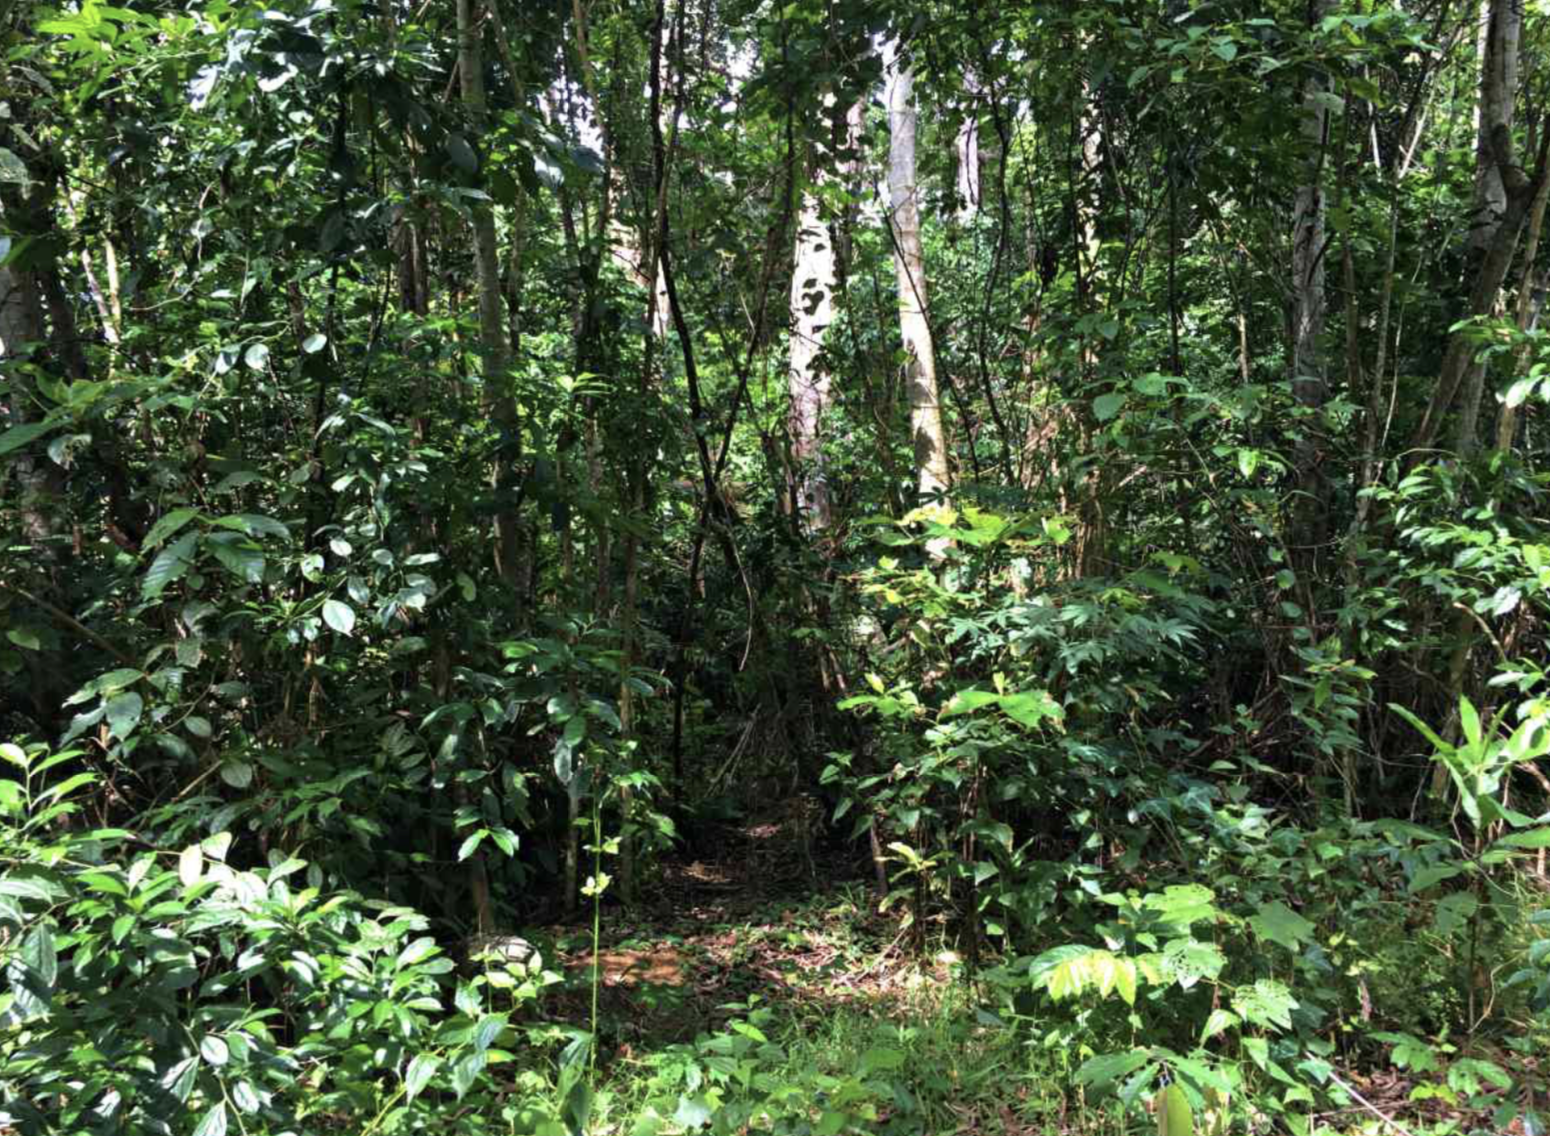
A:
[932,475]
[494,346]
[1310,388]
[495,355]
[812,310]
[1501,42]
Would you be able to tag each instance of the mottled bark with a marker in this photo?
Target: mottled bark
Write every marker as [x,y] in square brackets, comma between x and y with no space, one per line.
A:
[932,474]
[813,282]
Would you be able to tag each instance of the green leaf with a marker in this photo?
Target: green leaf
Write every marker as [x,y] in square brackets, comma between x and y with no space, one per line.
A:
[18,436]
[214,1050]
[1107,1068]
[1277,923]
[314,343]
[242,560]
[1537,838]
[167,525]
[12,169]
[963,702]
[172,563]
[256,356]
[420,1072]
[237,774]
[244,1097]
[339,615]
[25,638]
[214,1122]
[1107,406]
[1267,1003]
[1174,1115]
[1031,708]
[123,713]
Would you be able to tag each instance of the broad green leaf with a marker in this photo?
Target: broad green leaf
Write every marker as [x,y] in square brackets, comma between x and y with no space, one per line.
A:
[963,702]
[171,563]
[420,1072]
[214,1050]
[214,1122]
[1107,1068]
[242,560]
[123,713]
[237,774]
[167,525]
[339,615]
[18,436]
[1267,1003]
[1107,406]
[1537,838]
[1277,923]
[25,638]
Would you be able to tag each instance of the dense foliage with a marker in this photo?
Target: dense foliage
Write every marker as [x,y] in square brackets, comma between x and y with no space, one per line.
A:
[1081,465]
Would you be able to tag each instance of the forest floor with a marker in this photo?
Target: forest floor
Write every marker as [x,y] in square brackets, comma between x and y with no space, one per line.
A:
[759,921]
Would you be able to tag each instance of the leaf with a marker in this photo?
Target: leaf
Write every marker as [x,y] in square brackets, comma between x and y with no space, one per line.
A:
[1266,1003]
[692,1113]
[12,170]
[1107,1068]
[1174,1115]
[25,638]
[240,559]
[214,1122]
[191,865]
[123,712]
[1277,923]
[1107,406]
[1030,708]
[18,436]
[256,356]
[214,1050]
[237,774]
[314,343]
[466,1071]
[244,1097]
[1537,838]
[964,701]
[420,1072]
[167,525]
[170,564]
[339,615]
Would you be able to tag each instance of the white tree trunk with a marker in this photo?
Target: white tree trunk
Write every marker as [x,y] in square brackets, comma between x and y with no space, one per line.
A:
[931,467]
[812,310]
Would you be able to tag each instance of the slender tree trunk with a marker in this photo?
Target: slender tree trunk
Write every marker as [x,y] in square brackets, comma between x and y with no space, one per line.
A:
[812,310]
[932,473]
[494,345]
[495,356]
[1309,381]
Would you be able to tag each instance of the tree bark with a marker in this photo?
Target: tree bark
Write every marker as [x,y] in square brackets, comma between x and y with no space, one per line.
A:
[932,474]
[494,346]
[813,281]
[1310,387]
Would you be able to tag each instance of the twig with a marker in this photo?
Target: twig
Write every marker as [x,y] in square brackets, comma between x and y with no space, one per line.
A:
[1372,1108]
[71,622]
